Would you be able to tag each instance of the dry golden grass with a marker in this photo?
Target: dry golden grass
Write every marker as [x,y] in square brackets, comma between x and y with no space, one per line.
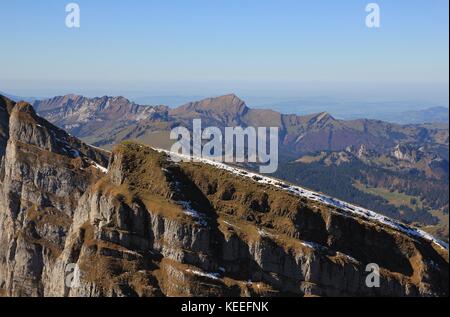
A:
[98,270]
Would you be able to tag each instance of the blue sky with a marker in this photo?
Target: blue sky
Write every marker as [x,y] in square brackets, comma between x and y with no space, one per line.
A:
[202,47]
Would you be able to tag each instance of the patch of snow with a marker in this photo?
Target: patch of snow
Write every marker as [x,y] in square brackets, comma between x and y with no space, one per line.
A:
[312,245]
[348,257]
[230,224]
[213,276]
[98,148]
[264,233]
[99,167]
[188,210]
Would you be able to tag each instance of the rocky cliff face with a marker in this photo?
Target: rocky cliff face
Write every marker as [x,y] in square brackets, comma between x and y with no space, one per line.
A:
[150,227]
[43,173]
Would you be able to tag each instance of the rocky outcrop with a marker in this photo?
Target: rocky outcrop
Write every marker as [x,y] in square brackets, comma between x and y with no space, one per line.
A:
[147,226]
[44,171]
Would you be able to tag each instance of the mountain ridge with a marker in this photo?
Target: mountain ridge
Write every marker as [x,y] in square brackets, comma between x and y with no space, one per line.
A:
[315,196]
[229,110]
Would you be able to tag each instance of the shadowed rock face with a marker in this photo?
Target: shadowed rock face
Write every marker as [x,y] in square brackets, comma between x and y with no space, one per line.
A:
[151,227]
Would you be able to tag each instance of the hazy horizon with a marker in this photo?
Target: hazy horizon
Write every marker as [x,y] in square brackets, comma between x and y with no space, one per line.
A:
[259,50]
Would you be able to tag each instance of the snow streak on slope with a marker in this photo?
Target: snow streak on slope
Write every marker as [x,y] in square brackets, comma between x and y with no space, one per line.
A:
[344,207]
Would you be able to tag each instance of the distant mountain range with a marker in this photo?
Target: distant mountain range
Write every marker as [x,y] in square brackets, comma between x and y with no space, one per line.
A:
[403,112]
[111,119]
[394,112]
